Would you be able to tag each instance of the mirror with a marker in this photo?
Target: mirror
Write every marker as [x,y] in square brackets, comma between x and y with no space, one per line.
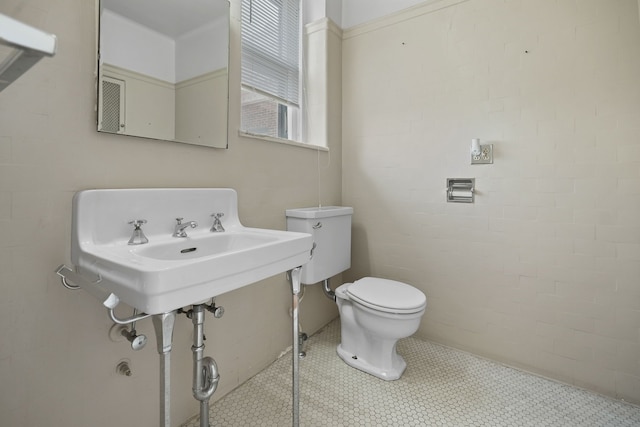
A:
[162,69]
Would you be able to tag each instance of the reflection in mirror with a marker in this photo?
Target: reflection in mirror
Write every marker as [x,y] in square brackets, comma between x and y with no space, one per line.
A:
[162,69]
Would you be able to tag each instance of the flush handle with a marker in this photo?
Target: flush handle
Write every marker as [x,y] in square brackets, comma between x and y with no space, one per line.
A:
[318,225]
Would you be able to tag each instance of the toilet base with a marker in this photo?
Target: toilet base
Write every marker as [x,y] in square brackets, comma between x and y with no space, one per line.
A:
[393,373]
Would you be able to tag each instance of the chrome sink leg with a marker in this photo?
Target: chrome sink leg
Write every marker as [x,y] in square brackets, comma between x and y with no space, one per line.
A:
[294,276]
[163,325]
[205,370]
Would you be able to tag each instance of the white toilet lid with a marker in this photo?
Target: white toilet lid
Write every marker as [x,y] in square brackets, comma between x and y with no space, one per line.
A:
[387,295]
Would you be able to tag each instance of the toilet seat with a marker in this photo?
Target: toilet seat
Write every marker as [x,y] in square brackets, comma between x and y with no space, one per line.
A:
[387,296]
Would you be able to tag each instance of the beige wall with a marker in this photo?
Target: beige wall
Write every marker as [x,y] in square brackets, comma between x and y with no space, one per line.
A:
[543,271]
[57,362]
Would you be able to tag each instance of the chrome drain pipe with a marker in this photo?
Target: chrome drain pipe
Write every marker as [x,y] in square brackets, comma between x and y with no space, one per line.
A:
[205,370]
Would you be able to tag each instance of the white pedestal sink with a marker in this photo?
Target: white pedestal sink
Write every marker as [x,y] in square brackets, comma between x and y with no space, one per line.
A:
[167,273]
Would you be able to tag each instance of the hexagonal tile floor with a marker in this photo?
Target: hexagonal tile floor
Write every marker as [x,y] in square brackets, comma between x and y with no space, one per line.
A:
[441,387]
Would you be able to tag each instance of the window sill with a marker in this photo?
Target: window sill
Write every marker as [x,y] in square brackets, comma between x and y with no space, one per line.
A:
[283,141]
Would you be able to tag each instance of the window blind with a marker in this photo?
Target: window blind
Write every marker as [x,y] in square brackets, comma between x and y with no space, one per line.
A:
[271,48]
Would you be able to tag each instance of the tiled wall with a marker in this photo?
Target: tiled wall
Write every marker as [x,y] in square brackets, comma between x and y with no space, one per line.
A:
[543,271]
[57,362]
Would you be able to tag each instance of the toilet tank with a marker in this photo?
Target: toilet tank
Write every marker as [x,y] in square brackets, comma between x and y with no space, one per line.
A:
[330,227]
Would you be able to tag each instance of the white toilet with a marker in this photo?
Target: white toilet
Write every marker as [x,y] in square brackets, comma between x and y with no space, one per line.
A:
[374,313]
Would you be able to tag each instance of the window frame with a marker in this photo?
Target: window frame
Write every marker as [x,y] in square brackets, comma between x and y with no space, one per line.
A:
[289,114]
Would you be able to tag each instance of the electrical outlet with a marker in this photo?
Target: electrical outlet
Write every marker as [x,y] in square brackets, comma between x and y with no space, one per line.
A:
[485,157]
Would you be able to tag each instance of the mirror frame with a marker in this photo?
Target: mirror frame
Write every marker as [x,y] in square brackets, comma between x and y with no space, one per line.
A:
[219,142]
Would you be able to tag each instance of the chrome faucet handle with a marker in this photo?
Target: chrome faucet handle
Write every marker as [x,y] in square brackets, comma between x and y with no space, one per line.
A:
[217,224]
[138,237]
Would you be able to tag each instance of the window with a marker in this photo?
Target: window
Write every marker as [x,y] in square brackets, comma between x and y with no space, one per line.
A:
[271,68]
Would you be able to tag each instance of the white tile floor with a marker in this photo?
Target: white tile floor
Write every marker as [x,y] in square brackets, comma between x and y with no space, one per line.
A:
[441,387]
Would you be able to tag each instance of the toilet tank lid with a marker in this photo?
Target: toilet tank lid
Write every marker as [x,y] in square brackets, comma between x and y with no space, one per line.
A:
[319,212]
[388,294]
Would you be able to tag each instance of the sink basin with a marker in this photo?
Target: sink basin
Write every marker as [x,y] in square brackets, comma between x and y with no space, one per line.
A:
[172,272]
[204,246]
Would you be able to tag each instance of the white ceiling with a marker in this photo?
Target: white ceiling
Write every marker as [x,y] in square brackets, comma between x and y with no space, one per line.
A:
[176,17]
[170,17]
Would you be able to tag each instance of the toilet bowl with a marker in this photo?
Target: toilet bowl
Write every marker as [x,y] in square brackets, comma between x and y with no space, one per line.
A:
[374,314]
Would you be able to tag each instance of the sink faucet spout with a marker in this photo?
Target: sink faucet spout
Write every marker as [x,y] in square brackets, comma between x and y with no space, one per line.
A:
[179,230]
